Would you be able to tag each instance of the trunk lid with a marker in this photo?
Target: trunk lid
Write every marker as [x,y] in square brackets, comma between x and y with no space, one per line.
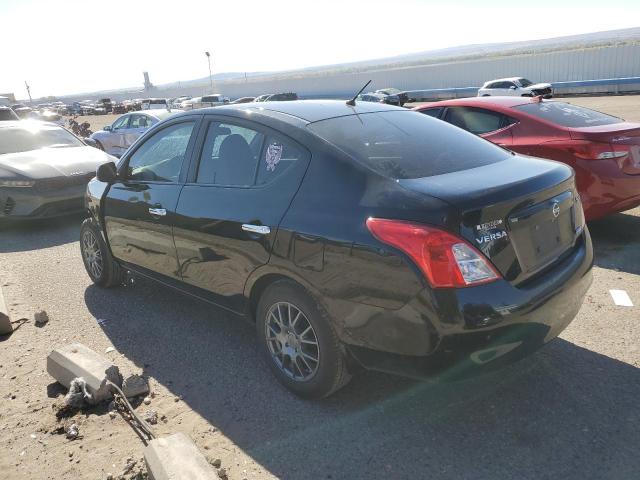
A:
[523,213]
[623,140]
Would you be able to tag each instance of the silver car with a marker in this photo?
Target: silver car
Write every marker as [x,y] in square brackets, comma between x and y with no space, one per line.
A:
[120,135]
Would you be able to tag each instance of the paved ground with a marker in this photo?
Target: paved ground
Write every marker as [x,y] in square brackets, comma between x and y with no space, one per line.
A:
[570,411]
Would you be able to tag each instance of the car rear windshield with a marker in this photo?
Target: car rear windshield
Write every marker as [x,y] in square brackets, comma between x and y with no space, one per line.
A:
[24,139]
[567,115]
[407,144]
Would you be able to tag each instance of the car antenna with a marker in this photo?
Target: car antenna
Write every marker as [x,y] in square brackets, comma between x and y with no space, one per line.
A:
[352,102]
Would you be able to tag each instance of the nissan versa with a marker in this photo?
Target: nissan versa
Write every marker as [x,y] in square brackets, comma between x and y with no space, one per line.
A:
[354,236]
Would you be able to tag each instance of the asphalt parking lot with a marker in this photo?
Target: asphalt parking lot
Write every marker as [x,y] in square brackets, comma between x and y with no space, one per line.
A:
[570,411]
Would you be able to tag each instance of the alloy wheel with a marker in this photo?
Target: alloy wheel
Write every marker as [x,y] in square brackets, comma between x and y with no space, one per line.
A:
[292,341]
[92,254]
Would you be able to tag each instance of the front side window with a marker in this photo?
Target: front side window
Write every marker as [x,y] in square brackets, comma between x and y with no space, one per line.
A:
[229,155]
[475,120]
[567,115]
[160,157]
[525,83]
[122,122]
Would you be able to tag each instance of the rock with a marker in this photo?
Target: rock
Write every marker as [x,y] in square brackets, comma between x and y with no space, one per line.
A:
[151,417]
[135,385]
[147,400]
[112,415]
[109,350]
[72,431]
[216,462]
[222,473]
[41,318]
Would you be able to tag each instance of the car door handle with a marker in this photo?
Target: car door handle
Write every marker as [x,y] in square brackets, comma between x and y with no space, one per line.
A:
[158,212]
[261,229]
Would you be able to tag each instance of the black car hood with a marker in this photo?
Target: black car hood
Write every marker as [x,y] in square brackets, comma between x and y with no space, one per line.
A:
[54,162]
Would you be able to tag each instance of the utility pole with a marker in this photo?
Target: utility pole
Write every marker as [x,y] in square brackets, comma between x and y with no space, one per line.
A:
[210,77]
[28,92]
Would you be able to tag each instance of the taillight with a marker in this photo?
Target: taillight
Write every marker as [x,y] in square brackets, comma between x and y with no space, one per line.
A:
[595,150]
[444,259]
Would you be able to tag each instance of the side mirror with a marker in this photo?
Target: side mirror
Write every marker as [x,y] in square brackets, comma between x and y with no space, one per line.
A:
[512,87]
[107,172]
[90,141]
[107,128]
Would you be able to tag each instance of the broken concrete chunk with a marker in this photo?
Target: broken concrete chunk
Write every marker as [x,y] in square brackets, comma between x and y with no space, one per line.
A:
[5,318]
[176,458]
[75,360]
[135,385]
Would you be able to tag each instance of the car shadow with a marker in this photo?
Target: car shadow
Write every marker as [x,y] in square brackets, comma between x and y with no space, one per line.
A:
[23,236]
[566,412]
[615,242]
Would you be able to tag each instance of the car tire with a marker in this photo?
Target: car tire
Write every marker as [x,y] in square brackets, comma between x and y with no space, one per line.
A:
[103,270]
[527,95]
[486,95]
[298,313]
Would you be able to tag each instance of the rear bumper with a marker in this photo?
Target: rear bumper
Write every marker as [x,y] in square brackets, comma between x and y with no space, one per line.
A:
[605,189]
[477,329]
[29,203]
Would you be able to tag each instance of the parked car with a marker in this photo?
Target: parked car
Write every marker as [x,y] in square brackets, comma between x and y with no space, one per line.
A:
[44,170]
[394,96]
[603,150]
[204,101]
[120,135]
[21,110]
[371,97]
[243,100]
[367,235]
[7,113]
[178,101]
[153,104]
[106,103]
[262,98]
[118,108]
[282,97]
[515,87]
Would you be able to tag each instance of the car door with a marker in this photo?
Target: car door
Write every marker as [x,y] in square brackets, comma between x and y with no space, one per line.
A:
[138,124]
[116,139]
[139,209]
[490,125]
[241,184]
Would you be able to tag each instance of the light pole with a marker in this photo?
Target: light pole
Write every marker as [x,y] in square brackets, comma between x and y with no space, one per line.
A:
[28,92]
[210,77]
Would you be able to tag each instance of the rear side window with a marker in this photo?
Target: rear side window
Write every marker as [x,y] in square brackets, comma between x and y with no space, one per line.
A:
[567,115]
[432,112]
[277,157]
[476,120]
[229,155]
[408,144]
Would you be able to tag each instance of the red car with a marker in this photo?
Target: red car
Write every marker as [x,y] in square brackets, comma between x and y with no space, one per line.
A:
[603,150]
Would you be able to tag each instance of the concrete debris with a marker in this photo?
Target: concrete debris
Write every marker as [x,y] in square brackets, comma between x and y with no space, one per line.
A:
[177,457]
[109,350]
[222,473]
[41,318]
[76,360]
[134,386]
[216,462]
[147,400]
[72,431]
[151,417]
[5,318]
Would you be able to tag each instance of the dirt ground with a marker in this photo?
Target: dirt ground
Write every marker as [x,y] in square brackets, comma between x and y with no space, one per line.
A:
[571,411]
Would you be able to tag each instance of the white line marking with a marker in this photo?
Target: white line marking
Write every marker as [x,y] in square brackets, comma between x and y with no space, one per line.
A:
[621,298]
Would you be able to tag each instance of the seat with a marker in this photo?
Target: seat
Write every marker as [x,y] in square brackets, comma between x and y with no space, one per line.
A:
[236,164]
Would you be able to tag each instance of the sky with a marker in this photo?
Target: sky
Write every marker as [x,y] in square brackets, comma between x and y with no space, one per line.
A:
[73,46]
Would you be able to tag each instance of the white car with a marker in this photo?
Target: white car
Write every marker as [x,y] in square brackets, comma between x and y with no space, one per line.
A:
[515,87]
[120,135]
[204,101]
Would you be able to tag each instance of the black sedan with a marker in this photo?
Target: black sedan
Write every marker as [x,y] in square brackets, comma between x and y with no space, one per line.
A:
[44,170]
[365,236]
